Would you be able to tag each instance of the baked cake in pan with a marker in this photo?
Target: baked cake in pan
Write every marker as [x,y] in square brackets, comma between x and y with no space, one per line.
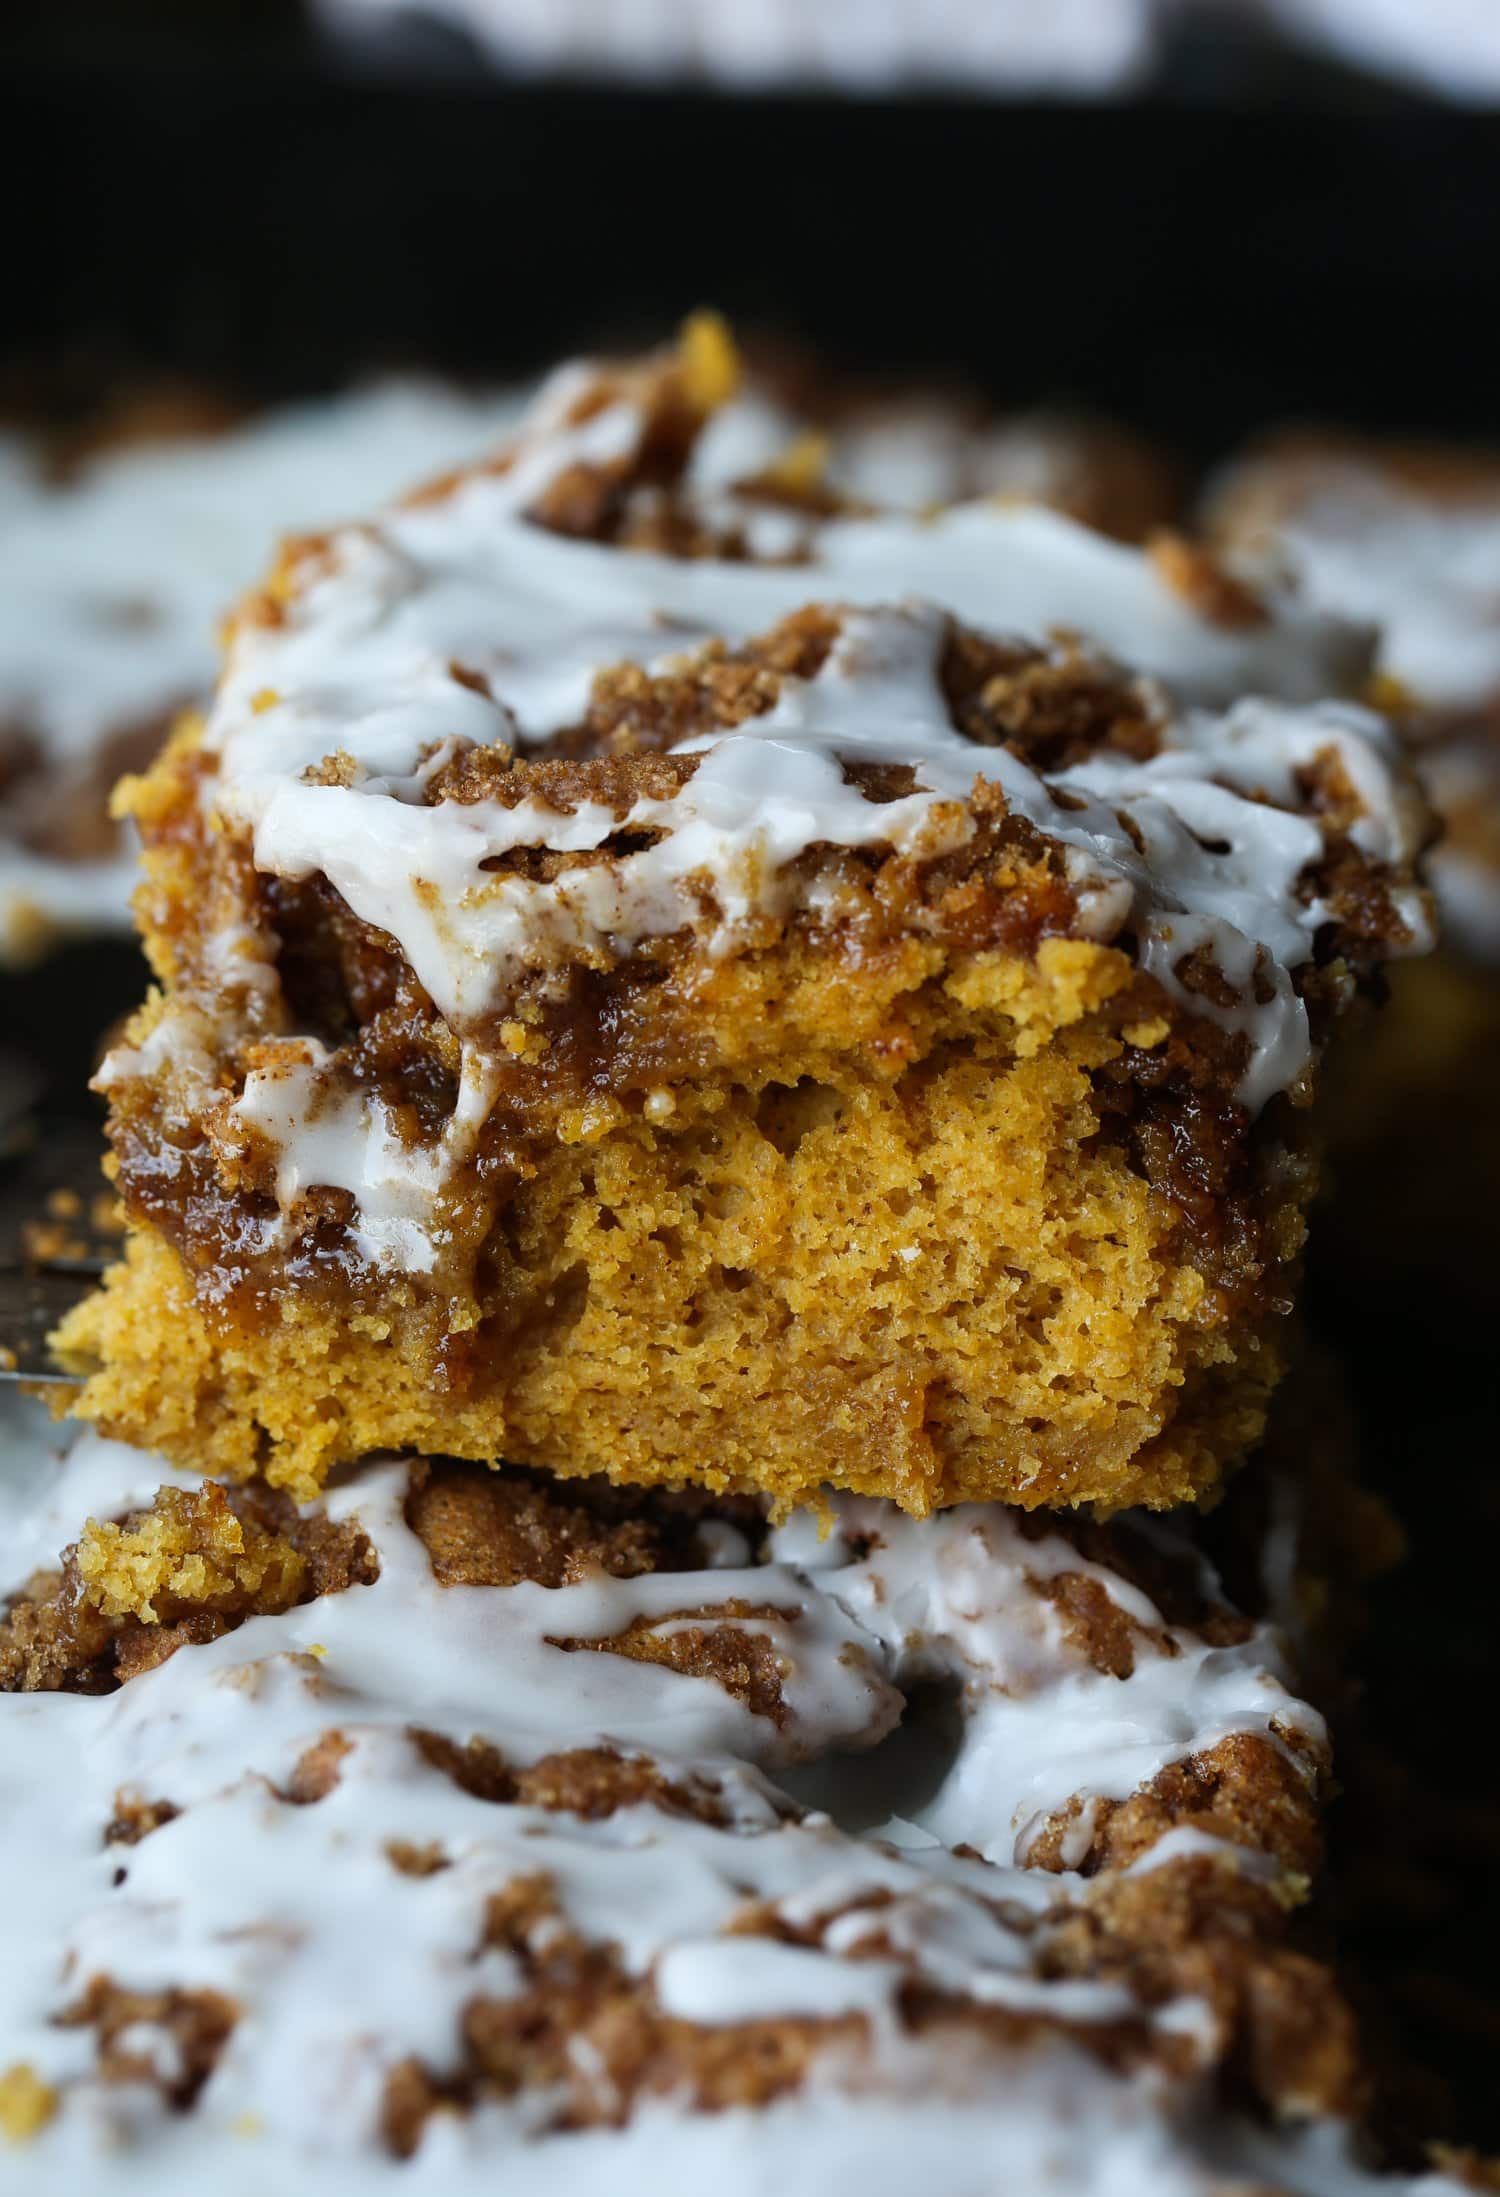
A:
[465,1824]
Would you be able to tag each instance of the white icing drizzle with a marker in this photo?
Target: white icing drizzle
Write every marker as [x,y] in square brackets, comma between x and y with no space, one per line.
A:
[340,1966]
[1423,570]
[1460,774]
[1187,1843]
[363,662]
[48,897]
[326,1134]
[1468,895]
[112,585]
[953,1598]
[909,454]
[1202,847]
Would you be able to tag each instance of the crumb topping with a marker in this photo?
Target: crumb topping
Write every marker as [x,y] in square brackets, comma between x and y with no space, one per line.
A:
[599,1907]
[625,761]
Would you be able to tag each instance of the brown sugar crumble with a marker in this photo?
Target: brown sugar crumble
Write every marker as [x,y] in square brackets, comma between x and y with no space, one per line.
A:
[168,2038]
[570,2019]
[197,1563]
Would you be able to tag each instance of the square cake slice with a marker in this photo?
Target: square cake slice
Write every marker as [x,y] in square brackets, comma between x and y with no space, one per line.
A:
[696,979]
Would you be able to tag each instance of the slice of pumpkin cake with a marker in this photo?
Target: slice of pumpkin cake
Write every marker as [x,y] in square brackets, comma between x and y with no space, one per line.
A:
[703,980]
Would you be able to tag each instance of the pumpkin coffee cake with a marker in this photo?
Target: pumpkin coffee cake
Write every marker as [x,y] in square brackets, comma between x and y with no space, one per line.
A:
[467,1830]
[117,561]
[688,977]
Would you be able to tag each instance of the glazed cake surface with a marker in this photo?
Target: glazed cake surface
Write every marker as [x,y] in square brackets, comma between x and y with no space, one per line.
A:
[1400,535]
[119,559]
[1406,537]
[471,1823]
[682,975]
[115,572]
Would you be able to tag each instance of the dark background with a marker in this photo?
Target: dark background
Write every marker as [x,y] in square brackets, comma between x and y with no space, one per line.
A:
[218,194]
[232,197]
